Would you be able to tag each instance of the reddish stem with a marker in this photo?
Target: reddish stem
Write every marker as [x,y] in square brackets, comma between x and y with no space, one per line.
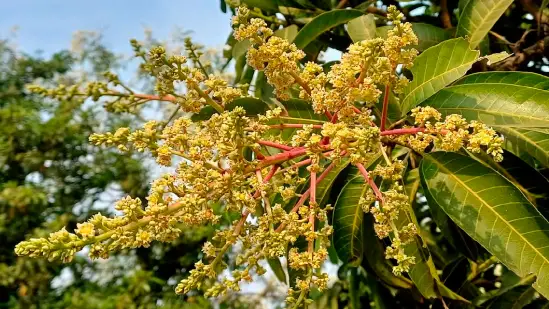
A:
[328,114]
[281,157]
[312,202]
[370,181]
[306,194]
[385,107]
[402,131]
[275,145]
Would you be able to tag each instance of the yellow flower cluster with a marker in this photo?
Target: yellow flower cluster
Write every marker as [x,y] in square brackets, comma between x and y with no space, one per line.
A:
[273,55]
[451,134]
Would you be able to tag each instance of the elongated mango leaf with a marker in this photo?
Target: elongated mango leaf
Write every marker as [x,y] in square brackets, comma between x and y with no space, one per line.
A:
[428,35]
[362,28]
[435,68]
[516,104]
[347,222]
[277,269]
[348,215]
[323,23]
[492,211]
[478,17]
[252,106]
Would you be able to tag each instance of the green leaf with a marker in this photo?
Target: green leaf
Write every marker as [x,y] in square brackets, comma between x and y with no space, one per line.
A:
[514,103]
[277,269]
[478,17]
[516,298]
[535,141]
[240,48]
[455,236]
[289,33]
[492,211]
[323,23]
[252,106]
[435,68]
[362,28]
[348,216]
[428,35]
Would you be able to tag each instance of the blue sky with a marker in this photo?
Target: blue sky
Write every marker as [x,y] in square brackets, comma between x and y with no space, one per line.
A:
[48,25]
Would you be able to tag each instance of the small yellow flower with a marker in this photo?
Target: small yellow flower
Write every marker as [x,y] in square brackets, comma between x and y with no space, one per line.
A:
[86,230]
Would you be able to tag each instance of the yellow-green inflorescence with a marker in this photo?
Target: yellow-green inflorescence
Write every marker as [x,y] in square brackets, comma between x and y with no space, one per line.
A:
[213,177]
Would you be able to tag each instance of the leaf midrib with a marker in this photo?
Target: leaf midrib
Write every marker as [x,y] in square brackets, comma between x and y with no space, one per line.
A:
[442,167]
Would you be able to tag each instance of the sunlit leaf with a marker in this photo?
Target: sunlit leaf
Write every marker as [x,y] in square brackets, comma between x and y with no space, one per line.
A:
[362,28]
[478,17]
[435,68]
[492,211]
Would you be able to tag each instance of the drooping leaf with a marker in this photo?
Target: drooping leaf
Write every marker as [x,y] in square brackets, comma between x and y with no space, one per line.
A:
[362,28]
[478,17]
[252,106]
[428,35]
[492,211]
[277,269]
[347,217]
[323,23]
[435,68]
